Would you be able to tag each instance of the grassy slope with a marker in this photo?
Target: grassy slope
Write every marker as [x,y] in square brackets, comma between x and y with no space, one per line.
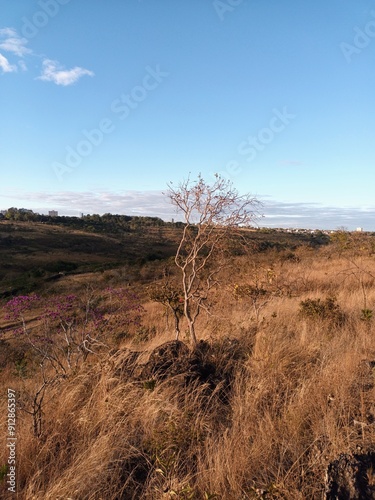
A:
[294,393]
[32,253]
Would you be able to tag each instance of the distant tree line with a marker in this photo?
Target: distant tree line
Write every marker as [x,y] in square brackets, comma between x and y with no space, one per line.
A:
[112,223]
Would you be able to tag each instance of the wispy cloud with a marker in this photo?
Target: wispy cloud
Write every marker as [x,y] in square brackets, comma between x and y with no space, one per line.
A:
[155,203]
[317,216]
[12,42]
[22,65]
[54,72]
[147,203]
[6,66]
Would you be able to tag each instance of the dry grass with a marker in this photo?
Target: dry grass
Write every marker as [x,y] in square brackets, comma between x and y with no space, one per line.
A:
[302,393]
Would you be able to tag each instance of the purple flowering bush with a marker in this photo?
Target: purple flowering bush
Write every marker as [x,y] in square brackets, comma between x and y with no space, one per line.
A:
[65,329]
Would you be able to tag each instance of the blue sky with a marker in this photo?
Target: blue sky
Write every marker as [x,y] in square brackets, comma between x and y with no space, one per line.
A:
[103,103]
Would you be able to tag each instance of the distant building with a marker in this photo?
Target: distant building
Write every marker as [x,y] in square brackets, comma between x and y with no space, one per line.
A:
[53,213]
[359,229]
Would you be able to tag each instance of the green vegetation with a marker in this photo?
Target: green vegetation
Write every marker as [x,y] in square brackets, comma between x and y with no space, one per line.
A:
[322,309]
[107,223]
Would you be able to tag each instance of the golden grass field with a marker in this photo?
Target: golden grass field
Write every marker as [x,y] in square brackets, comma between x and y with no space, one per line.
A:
[289,391]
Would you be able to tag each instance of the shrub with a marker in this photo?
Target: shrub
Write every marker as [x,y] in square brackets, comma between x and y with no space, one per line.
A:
[326,309]
[366,314]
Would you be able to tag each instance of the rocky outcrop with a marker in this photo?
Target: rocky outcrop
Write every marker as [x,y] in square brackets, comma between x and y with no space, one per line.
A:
[351,477]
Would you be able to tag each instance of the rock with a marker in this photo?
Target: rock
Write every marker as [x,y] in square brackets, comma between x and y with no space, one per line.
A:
[351,477]
[166,360]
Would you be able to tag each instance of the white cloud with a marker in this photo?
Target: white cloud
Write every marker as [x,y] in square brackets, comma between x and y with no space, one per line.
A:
[314,215]
[147,203]
[7,31]
[6,66]
[54,72]
[13,42]
[154,203]
[22,65]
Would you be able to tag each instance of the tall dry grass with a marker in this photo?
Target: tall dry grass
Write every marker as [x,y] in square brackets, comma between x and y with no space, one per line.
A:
[301,393]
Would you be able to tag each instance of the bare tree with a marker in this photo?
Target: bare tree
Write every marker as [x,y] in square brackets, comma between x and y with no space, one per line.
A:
[210,212]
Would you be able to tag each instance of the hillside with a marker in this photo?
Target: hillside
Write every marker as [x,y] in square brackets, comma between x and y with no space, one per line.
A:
[279,389]
[32,253]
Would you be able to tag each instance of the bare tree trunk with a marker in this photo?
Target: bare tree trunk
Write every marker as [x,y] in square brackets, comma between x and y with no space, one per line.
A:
[177,325]
[193,338]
